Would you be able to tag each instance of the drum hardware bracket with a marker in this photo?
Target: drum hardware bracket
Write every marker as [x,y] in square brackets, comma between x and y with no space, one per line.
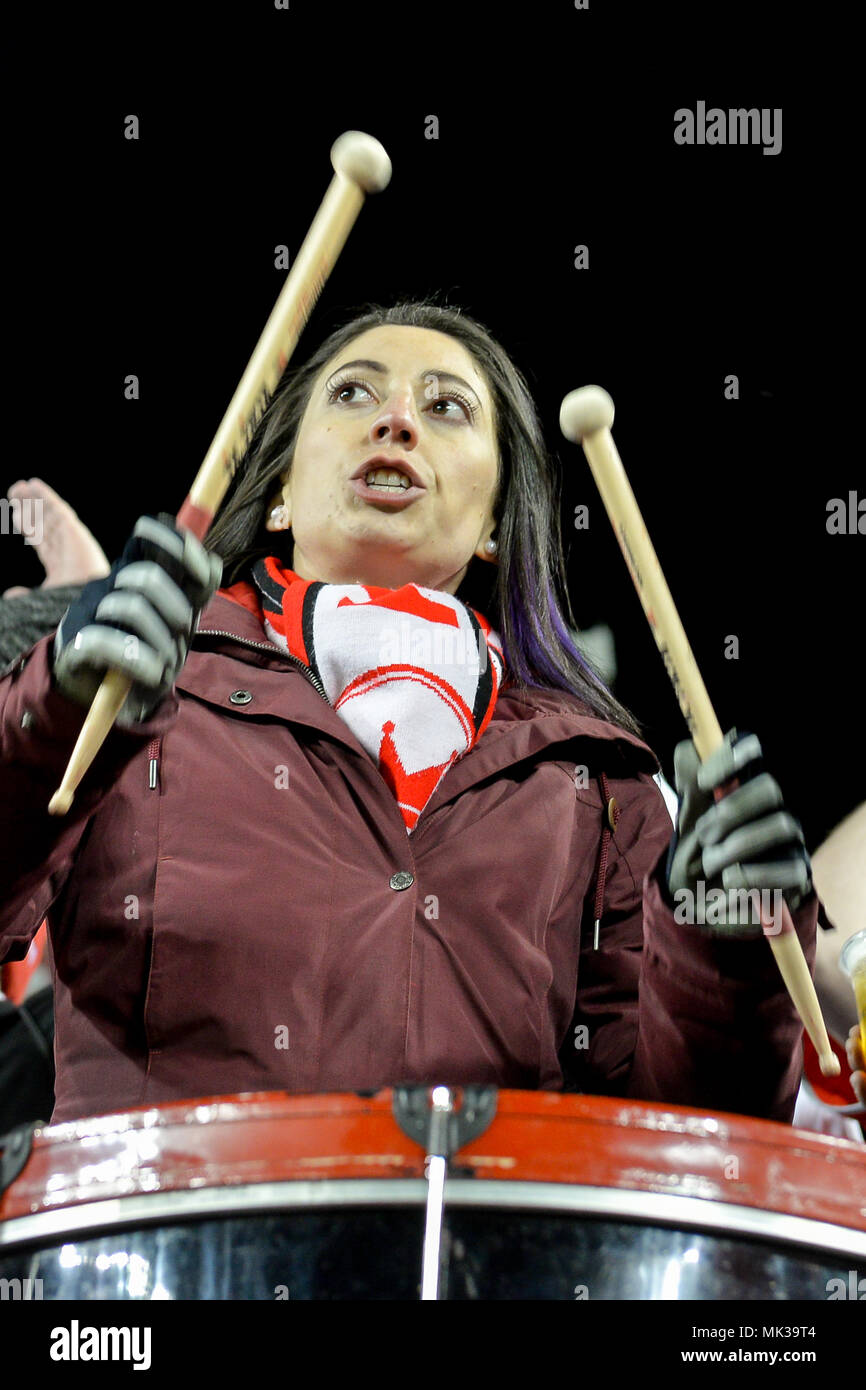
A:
[429,1116]
[15,1147]
[413,1113]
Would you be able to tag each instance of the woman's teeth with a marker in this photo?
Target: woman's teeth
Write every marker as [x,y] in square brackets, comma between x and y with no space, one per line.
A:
[387,478]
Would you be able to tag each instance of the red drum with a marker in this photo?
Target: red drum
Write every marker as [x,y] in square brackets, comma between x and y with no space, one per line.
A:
[268,1196]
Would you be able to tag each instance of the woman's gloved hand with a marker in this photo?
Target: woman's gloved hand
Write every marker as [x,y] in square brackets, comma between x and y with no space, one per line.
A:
[139,620]
[746,840]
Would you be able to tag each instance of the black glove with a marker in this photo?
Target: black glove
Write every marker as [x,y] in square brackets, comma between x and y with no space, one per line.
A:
[139,619]
[747,840]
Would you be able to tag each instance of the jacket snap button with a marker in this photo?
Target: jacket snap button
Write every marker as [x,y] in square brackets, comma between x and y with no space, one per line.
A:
[612,813]
[240,697]
[402,880]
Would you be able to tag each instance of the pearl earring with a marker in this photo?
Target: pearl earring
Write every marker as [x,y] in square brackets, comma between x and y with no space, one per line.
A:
[490,547]
[278,513]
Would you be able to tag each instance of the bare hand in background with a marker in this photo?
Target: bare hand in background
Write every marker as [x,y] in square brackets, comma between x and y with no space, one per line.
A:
[69,552]
[857,1063]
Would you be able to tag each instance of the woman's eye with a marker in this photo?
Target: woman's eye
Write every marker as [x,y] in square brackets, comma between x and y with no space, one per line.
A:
[340,388]
[343,389]
[461,404]
[340,391]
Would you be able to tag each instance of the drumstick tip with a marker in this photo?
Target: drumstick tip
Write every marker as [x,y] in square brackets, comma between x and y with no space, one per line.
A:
[584,411]
[60,802]
[362,159]
[829,1064]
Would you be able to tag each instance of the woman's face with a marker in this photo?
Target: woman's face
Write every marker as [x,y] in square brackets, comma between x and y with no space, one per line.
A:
[390,401]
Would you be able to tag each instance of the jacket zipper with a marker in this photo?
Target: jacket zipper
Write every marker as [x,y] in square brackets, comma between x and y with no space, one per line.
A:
[153,746]
[269,647]
[153,754]
[612,814]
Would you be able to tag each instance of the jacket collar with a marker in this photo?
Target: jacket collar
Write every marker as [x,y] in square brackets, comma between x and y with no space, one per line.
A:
[524,723]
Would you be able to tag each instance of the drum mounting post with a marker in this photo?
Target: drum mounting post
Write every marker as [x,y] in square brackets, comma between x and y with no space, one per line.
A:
[430,1117]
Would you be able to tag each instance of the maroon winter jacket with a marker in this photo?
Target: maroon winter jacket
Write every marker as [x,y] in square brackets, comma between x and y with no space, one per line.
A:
[235,905]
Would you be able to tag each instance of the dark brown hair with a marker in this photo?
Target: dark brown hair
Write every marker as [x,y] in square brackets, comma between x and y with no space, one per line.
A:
[525,596]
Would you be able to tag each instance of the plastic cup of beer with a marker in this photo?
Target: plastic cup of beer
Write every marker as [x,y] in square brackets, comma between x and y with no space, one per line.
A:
[852,961]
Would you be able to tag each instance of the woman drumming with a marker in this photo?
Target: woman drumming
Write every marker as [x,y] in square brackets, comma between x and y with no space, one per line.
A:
[366,802]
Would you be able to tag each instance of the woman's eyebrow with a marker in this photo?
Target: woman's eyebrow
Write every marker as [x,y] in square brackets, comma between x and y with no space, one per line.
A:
[431,371]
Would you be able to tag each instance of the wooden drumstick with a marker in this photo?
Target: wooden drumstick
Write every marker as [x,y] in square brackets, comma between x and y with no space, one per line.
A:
[586,417]
[361,166]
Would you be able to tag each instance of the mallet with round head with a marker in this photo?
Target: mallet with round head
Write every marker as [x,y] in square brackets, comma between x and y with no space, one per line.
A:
[586,417]
[361,166]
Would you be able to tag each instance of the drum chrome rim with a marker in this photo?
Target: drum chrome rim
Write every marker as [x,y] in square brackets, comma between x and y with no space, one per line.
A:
[90,1219]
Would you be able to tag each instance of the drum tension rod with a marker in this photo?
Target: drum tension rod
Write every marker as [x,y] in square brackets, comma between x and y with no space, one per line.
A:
[429,1116]
[15,1147]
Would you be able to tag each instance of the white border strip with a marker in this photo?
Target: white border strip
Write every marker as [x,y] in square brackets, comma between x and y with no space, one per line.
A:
[648,1208]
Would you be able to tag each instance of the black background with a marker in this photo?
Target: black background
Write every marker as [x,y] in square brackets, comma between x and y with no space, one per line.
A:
[156,257]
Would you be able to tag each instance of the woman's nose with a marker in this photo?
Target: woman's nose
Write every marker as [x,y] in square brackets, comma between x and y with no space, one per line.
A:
[396,420]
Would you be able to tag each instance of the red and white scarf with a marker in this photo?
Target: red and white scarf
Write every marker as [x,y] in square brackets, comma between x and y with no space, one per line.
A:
[414,672]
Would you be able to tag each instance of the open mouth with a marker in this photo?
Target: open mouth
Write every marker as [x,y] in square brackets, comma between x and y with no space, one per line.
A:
[382,471]
[388,480]
[387,485]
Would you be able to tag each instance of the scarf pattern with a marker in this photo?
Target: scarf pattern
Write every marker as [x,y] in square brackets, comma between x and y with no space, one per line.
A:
[414,672]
